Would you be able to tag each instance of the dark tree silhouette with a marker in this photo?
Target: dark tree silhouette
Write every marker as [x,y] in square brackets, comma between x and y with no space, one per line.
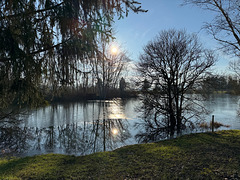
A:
[43,43]
[173,64]
[122,87]
[214,83]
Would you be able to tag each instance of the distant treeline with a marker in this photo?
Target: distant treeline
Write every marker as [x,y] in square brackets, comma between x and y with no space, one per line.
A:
[80,93]
[210,85]
[221,84]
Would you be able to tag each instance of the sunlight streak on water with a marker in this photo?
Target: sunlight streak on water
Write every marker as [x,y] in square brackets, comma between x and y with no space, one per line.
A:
[81,128]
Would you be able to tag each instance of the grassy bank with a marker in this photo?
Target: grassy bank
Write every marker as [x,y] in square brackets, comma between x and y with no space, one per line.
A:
[195,156]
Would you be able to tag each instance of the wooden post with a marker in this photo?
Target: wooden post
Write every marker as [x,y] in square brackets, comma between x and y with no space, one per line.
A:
[104,136]
[212,123]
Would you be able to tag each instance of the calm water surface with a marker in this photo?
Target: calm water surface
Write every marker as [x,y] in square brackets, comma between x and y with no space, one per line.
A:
[93,126]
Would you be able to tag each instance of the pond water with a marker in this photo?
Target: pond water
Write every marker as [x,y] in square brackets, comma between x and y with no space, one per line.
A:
[93,126]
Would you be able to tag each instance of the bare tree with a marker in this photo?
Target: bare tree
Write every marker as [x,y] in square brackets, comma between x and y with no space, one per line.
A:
[225,28]
[108,67]
[173,64]
[235,67]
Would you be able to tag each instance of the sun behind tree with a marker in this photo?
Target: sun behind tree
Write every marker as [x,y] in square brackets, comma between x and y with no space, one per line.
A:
[114,50]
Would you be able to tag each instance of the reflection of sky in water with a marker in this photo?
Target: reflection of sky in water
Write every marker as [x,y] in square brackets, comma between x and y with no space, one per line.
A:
[223,107]
[225,110]
[83,125]
[60,114]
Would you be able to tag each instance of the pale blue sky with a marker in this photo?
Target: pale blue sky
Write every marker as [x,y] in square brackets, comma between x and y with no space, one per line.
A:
[136,30]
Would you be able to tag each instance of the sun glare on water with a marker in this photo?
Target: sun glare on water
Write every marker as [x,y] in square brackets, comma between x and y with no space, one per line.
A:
[115,131]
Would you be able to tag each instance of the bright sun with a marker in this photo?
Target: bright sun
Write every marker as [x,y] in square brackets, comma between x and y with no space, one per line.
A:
[114,50]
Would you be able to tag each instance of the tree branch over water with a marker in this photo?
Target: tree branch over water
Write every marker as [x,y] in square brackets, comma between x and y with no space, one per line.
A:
[45,42]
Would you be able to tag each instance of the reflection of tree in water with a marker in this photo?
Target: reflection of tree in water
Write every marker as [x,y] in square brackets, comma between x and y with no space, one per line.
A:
[110,119]
[153,128]
[14,139]
[77,138]
[150,130]
[105,139]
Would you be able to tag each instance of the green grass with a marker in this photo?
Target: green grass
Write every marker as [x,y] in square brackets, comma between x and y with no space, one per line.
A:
[194,156]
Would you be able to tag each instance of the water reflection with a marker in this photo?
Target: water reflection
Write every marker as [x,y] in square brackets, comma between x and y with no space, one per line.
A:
[101,126]
[78,139]
[93,126]
[224,107]
[69,113]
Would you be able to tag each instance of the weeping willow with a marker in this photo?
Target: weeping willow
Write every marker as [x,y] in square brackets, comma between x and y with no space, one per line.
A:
[44,42]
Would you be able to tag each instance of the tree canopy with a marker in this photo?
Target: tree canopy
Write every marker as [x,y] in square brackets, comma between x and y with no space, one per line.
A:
[43,42]
[172,66]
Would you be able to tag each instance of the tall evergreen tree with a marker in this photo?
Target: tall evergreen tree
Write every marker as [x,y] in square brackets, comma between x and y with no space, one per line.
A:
[42,42]
[45,40]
